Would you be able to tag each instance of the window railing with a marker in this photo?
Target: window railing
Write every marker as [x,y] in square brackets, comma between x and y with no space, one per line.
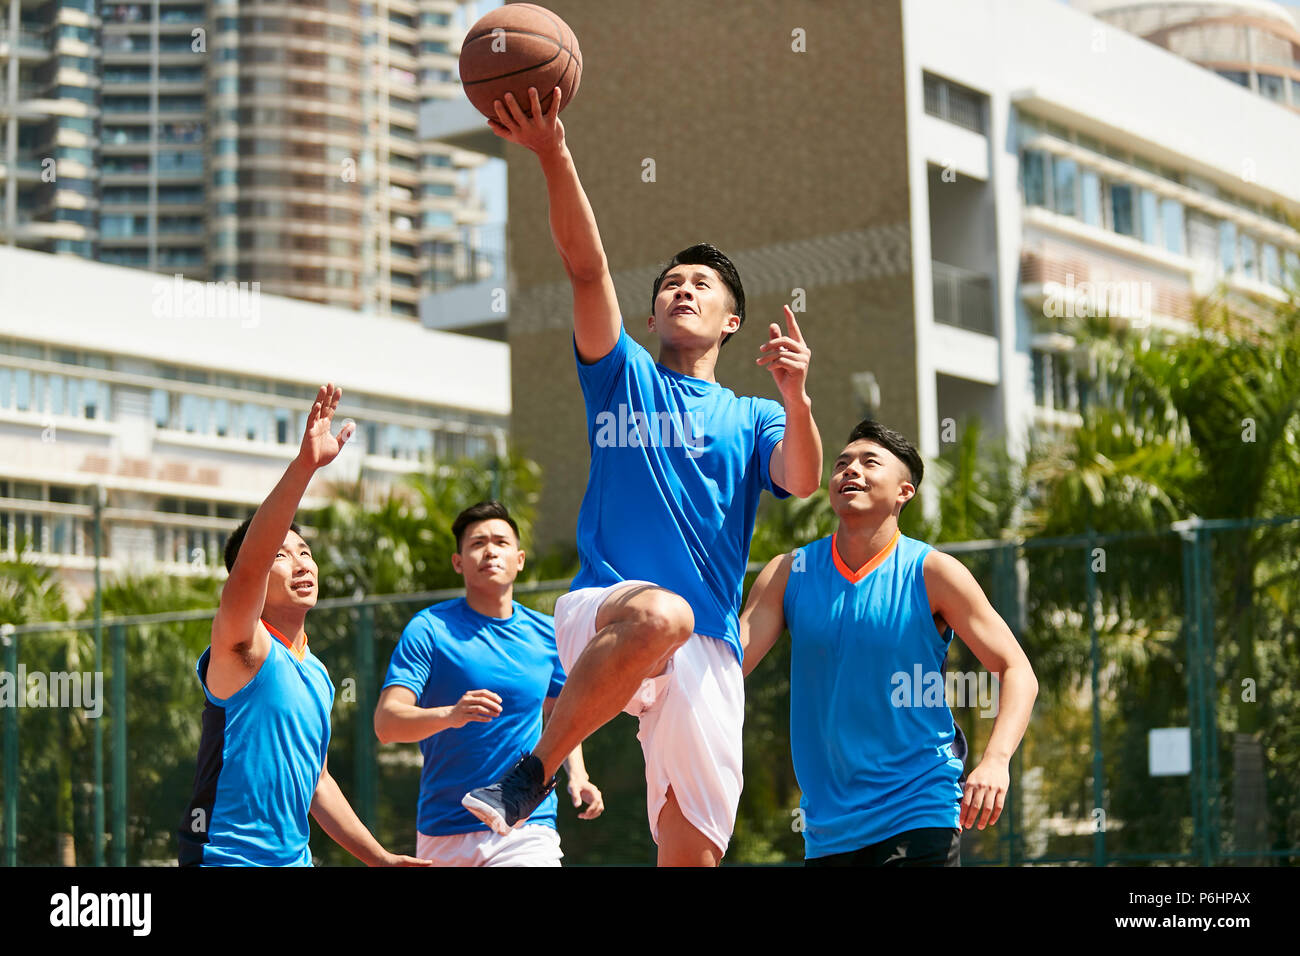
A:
[962,298]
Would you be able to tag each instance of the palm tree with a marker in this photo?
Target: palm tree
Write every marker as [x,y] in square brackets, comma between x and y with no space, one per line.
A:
[1202,425]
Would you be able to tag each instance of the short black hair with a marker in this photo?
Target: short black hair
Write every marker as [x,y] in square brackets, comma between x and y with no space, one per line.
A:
[871,430]
[236,539]
[483,511]
[707,254]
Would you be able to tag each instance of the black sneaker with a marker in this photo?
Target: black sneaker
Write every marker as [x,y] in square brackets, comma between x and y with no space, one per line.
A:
[510,801]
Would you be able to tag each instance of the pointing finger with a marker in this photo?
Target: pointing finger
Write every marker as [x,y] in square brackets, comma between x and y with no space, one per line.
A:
[794,326]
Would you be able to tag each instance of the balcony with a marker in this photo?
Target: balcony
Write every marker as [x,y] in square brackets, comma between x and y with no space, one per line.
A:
[471,292]
[963,299]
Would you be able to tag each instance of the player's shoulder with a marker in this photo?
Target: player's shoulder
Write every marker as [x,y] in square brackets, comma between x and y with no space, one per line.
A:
[436,617]
[536,619]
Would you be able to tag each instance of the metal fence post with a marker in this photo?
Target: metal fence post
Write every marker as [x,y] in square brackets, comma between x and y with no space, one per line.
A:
[99,669]
[1098,768]
[118,636]
[367,796]
[10,641]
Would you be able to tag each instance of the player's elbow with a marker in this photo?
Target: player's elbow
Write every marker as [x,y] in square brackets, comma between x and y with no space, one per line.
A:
[384,727]
[587,269]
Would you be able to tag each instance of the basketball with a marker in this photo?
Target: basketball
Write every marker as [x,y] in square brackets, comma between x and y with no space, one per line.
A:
[517,46]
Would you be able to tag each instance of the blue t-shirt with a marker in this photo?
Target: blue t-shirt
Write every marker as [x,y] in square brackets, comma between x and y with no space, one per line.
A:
[875,748]
[677,464]
[260,758]
[449,649]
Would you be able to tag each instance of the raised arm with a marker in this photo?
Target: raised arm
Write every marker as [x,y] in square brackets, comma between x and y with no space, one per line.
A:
[796,463]
[596,320]
[235,623]
[957,597]
[763,619]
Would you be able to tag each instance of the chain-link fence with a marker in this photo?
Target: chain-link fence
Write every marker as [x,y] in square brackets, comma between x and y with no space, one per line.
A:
[1167,665]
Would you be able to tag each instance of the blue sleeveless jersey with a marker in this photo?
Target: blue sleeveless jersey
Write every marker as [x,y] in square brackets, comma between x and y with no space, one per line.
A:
[260,758]
[874,745]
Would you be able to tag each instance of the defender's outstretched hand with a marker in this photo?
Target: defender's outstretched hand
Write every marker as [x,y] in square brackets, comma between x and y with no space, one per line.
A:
[319,447]
[787,358]
[538,131]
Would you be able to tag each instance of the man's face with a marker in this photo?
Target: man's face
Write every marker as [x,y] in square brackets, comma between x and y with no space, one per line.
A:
[489,554]
[292,582]
[868,478]
[693,307]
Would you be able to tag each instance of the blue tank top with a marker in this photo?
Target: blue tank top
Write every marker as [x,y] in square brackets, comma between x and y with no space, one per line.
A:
[875,748]
[260,758]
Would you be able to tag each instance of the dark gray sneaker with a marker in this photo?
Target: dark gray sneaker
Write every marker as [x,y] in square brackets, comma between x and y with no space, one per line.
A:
[510,801]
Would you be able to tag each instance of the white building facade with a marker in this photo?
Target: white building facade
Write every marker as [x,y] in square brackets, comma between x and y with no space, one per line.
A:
[1060,166]
[178,405]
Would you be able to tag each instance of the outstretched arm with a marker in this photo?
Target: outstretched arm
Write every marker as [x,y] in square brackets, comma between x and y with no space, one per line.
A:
[596,320]
[763,619]
[245,590]
[337,818]
[796,463]
[956,596]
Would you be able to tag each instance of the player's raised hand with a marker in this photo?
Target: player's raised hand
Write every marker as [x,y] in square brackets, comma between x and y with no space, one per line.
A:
[319,446]
[986,792]
[582,791]
[477,706]
[787,358]
[535,130]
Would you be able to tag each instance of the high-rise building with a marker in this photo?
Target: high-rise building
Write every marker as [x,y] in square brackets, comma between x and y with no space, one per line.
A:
[240,140]
[1253,43]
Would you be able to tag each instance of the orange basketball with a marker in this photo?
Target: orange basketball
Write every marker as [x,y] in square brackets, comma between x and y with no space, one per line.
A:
[517,46]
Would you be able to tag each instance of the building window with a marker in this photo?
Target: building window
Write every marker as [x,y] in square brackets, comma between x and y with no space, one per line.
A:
[1065,185]
[1250,256]
[955,103]
[1090,187]
[1271,262]
[1121,209]
[1034,165]
[1227,247]
[1171,213]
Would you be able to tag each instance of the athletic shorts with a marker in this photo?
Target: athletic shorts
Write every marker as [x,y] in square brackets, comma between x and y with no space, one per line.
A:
[691,717]
[926,846]
[531,845]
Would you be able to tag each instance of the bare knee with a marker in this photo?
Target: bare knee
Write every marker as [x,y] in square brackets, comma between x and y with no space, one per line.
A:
[660,618]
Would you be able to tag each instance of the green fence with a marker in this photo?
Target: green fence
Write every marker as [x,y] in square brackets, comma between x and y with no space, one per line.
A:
[1191,629]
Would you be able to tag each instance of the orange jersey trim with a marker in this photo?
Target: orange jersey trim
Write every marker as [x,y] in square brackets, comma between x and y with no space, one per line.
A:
[301,655]
[853,577]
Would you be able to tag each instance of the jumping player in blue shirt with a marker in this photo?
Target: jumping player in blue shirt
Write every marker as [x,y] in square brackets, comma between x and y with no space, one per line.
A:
[471,680]
[677,466]
[262,764]
[869,610]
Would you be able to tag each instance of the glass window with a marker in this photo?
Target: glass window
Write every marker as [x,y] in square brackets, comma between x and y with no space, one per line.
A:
[1121,209]
[1272,87]
[1090,204]
[1148,221]
[1065,179]
[1290,265]
[1033,166]
[1171,212]
[162,408]
[1228,246]
[1250,256]
[1271,262]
